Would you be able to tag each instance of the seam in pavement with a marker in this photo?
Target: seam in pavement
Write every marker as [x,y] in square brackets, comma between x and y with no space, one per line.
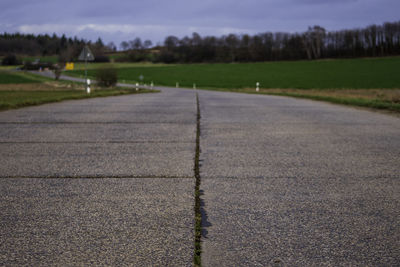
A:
[220,177]
[97,142]
[90,122]
[94,177]
[197,205]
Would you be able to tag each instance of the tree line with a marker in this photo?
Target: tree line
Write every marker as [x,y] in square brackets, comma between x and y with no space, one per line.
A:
[67,49]
[315,43]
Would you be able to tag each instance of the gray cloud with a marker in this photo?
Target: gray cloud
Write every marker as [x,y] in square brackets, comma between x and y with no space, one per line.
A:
[324,2]
[154,19]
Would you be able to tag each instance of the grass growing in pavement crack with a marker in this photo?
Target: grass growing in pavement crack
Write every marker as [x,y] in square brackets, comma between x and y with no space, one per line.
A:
[197,205]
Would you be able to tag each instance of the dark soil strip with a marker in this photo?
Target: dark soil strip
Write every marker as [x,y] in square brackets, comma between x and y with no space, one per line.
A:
[197,205]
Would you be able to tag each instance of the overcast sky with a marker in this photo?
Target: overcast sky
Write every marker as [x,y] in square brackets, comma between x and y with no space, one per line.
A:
[119,20]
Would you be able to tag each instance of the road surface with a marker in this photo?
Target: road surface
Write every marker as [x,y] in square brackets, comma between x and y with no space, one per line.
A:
[103,181]
[284,182]
[290,182]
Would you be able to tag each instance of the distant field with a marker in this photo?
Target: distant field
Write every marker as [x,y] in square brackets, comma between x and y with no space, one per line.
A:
[47,59]
[79,67]
[7,77]
[3,68]
[324,74]
[370,82]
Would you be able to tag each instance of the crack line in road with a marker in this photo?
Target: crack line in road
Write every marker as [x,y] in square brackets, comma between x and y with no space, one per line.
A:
[97,142]
[90,122]
[94,177]
[197,205]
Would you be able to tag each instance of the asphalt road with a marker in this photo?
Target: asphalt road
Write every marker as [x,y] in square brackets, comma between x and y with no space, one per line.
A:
[103,181]
[290,182]
[285,182]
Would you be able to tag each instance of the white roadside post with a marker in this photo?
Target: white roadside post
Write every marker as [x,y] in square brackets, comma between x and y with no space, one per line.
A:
[88,86]
[137,86]
[87,82]
[86,55]
[257,86]
[177,85]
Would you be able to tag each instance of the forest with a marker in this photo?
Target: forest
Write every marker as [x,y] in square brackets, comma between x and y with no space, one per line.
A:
[67,49]
[315,43]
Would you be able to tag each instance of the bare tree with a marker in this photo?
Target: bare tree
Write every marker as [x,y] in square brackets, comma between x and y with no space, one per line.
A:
[136,44]
[171,42]
[313,41]
[232,42]
[124,45]
[111,46]
[147,44]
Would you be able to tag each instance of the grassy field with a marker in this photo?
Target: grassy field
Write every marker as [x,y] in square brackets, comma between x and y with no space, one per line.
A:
[7,68]
[7,77]
[79,67]
[325,74]
[369,82]
[20,89]
[47,59]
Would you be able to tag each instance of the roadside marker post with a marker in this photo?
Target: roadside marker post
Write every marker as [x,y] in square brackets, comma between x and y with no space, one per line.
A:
[86,55]
[257,86]
[88,86]
[194,86]
[137,86]
[177,85]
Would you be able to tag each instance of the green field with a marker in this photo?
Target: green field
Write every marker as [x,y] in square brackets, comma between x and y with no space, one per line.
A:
[47,59]
[324,74]
[7,77]
[373,82]
[79,66]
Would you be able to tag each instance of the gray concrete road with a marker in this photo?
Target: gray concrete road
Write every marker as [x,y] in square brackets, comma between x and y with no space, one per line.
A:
[290,182]
[104,181]
[284,182]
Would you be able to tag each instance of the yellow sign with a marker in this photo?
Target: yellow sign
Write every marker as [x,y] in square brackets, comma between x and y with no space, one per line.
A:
[69,66]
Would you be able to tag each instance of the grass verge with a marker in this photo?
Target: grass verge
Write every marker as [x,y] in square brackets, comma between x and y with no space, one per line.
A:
[18,99]
[375,104]
[9,77]
[388,99]
[197,205]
